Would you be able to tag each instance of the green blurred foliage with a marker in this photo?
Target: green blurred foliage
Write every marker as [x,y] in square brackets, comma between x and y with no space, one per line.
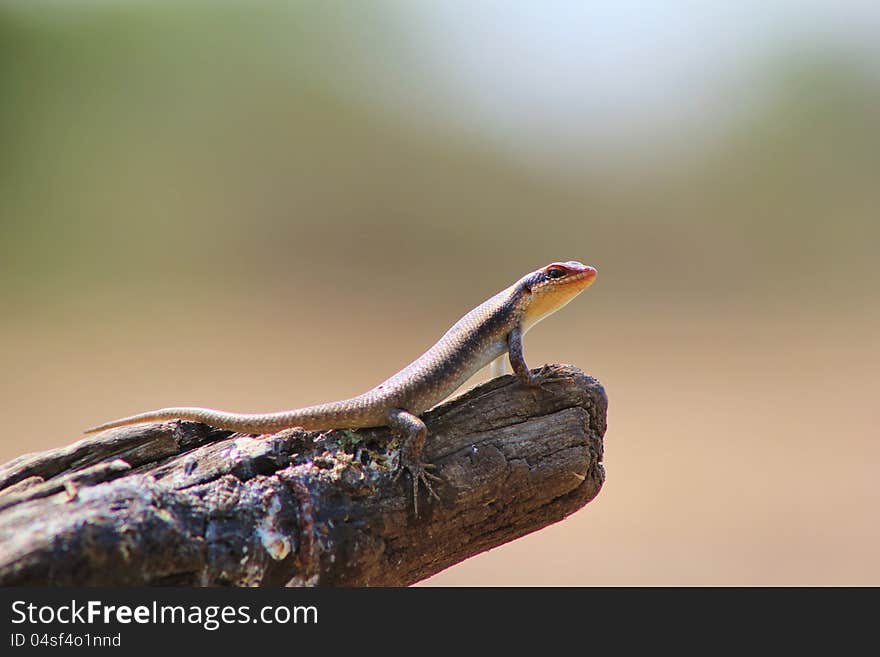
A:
[157,148]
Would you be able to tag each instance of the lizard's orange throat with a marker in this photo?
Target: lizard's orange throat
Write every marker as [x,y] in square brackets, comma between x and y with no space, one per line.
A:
[549,297]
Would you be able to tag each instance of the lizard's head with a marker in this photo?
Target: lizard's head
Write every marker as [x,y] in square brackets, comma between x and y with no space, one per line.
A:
[553,286]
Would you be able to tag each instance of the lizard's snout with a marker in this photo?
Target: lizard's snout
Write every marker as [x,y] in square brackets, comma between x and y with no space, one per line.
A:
[584,276]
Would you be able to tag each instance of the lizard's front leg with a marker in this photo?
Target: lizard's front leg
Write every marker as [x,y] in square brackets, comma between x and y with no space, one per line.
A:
[518,361]
[413,433]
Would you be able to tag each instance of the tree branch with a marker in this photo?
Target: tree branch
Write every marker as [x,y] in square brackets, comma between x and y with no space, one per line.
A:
[185,504]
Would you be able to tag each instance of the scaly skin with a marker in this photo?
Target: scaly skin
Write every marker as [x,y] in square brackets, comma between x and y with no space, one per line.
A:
[494,327]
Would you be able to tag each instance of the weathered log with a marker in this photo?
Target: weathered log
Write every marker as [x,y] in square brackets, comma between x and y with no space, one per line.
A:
[181,503]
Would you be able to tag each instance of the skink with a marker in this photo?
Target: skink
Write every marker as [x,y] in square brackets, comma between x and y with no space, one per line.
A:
[480,337]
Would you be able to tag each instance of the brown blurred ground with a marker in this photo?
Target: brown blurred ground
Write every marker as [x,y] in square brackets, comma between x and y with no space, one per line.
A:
[192,213]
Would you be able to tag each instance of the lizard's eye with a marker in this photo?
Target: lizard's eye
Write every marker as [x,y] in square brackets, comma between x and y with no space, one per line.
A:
[556,272]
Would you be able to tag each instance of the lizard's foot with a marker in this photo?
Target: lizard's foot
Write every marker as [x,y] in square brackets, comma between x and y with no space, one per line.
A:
[535,380]
[419,474]
[542,378]
[413,432]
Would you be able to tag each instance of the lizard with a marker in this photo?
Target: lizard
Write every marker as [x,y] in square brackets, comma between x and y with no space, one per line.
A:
[481,337]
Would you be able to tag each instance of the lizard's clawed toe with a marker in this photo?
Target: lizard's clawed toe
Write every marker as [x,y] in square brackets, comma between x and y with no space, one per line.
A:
[419,476]
[425,478]
[535,382]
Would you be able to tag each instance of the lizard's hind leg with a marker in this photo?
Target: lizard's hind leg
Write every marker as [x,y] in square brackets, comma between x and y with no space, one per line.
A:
[413,433]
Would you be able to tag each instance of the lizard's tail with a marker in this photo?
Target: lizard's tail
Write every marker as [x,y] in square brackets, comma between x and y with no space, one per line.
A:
[256,423]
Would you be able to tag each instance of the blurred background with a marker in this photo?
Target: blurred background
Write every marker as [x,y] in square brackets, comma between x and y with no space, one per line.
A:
[229,203]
